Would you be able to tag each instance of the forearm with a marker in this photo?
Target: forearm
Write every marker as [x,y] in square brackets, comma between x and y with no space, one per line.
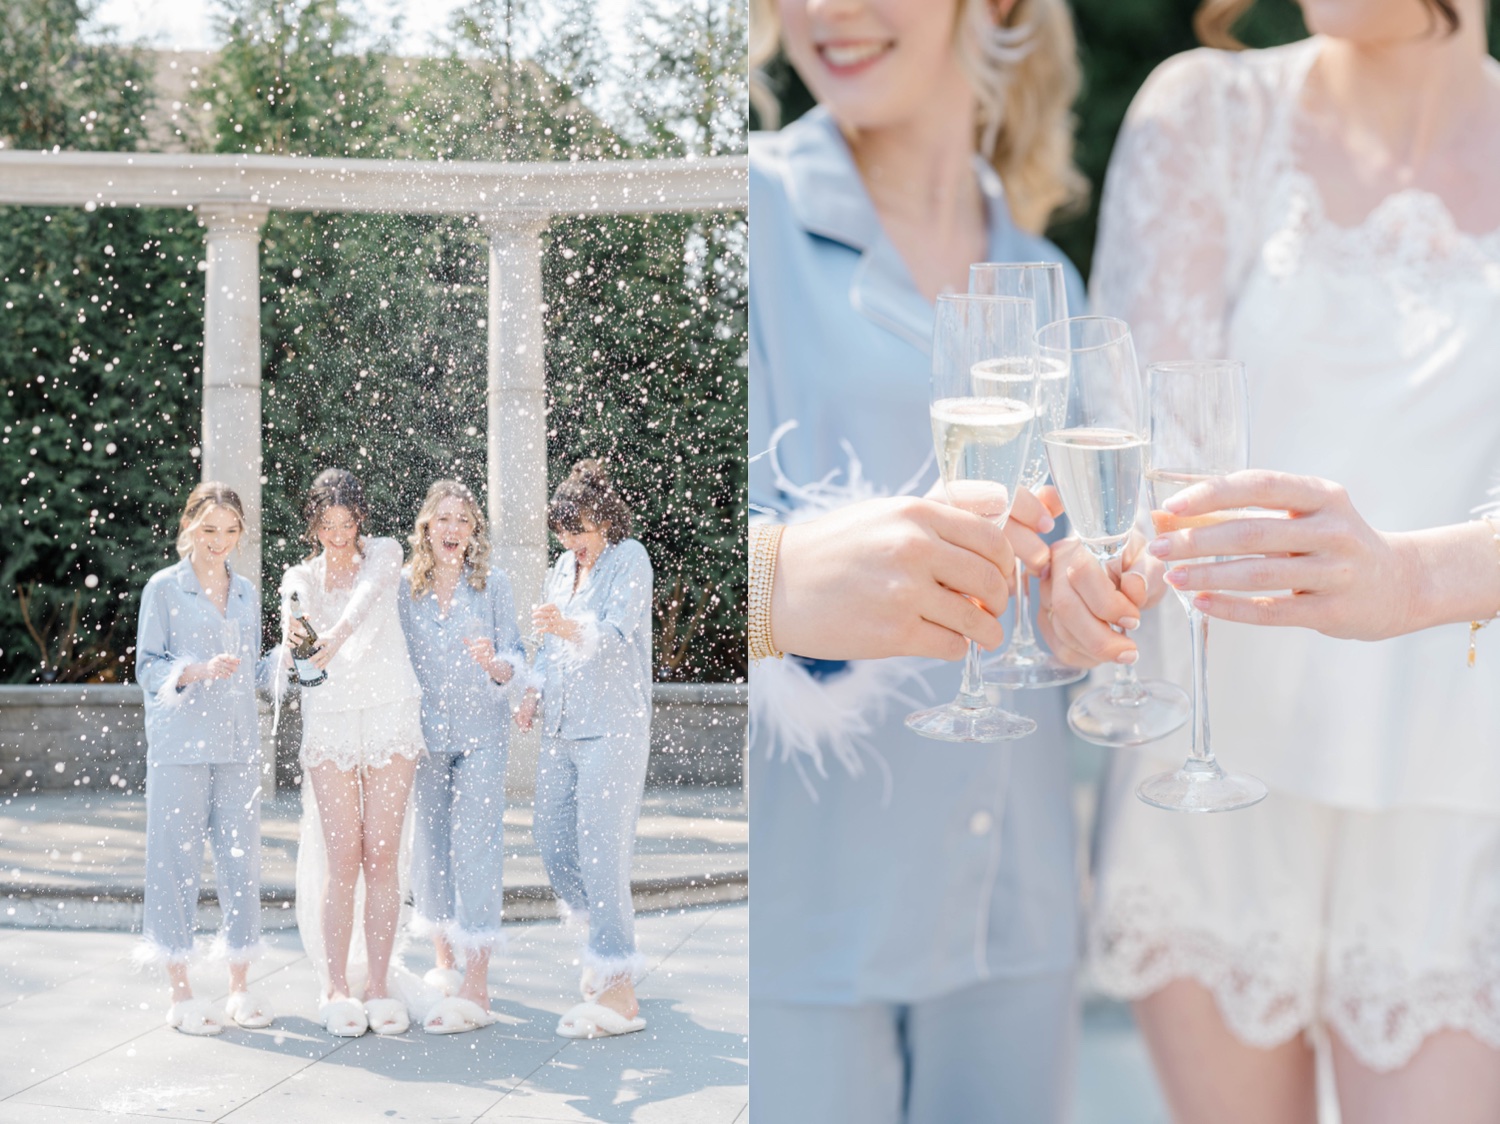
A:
[1451,574]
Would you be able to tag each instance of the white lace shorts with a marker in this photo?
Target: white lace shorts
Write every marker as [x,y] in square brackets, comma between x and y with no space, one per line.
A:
[1383,926]
[364,738]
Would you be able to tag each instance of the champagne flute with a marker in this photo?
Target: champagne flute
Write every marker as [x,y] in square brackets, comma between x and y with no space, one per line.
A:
[1199,429]
[229,633]
[1097,464]
[983,438]
[1023,662]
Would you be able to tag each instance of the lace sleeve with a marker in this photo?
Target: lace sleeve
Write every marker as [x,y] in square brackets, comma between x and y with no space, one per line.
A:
[379,574]
[1164,257]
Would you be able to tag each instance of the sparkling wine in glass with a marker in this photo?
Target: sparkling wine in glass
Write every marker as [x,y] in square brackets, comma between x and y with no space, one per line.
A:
[982,432]
[1098,461]
[1199,429]
[1023,662]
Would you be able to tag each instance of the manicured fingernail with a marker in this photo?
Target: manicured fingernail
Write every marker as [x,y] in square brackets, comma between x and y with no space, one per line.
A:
[1130,623]
[1128,658]
[1160,547]
[1046,524]
[1203,601]
[1176,578]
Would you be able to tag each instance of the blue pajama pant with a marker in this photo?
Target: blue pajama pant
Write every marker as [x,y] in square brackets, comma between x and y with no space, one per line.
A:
[588,799]
[1000,1052]
[186,804]
[458,851]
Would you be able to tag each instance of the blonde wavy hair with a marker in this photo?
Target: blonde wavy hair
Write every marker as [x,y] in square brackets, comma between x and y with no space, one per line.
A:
[476,554]
[1215,19]
[202,500]
[1025,77]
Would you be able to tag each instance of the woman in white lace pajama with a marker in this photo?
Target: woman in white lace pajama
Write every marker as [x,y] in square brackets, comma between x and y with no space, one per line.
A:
[361,739]
[1329,212]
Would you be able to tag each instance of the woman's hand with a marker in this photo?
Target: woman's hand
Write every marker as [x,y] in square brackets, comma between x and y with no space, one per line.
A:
[1080,599]
[526,712]
[549,618]
[482,651]
[891,577]
[1314,560]
[220,667]
[324,651]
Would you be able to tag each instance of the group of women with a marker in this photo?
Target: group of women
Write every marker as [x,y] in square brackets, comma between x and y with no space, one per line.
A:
[1326,212]
[413,674]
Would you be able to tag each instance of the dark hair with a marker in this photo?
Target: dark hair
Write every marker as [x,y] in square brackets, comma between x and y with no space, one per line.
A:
[587,493]
[333,487]
[1214,19]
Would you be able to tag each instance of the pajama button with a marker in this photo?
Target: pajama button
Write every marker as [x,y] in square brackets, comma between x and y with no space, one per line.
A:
[980,823]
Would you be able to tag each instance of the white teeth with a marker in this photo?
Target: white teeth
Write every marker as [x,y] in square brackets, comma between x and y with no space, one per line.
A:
[852,54]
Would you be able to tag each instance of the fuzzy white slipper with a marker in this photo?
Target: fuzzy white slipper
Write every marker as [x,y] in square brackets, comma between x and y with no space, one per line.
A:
[593,1020]
[445,980]
[455,1015]
[387,1016]
[588,986]
[197,1017]
[344,1018]
[249,1010]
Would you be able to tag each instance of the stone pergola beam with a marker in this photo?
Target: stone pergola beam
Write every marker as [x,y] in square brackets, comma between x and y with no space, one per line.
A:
[298,183]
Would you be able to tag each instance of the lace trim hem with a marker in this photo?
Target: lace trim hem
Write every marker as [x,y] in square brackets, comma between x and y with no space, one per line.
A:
[347,758]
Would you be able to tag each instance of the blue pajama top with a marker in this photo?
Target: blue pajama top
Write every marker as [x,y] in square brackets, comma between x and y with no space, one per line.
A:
[208,722]
[463,709]
[941,865]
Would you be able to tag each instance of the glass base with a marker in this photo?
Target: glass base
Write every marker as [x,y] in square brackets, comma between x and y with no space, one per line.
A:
[954,722]
[1156,710]
[1029,667]
[1201,786]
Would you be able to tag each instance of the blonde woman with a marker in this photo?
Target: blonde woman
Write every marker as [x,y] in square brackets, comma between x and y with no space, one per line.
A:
[195,657]
[361,740]
[1328,212]
[460,626]
[915,924]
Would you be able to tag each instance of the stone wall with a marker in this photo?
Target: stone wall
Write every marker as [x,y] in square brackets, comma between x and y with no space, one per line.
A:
[60,737]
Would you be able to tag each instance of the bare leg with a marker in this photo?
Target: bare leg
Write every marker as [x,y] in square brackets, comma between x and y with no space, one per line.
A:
[386,792]
[476,985]
[181,989]
[1453,1077]
[239,977]
[338,808]
[442,951]
[620,996]
[1210,1077]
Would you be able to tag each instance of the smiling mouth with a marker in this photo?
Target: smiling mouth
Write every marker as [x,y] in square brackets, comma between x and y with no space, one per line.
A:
[852,56]
[447,545]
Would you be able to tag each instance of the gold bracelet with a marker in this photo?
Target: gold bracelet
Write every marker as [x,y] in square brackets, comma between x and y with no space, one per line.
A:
[765,544]
[1475,626]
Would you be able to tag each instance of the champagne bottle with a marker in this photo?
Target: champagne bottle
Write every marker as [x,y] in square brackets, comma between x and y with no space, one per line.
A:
[309,674]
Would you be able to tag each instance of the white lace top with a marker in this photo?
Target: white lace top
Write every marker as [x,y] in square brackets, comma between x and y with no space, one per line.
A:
[372,668]
[1373,354]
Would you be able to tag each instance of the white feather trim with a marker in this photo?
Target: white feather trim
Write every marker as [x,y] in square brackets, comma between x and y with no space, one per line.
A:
[575,921]
[168,695]
[576,653]
[789,707]
[148,953]
[611,969]
[220,950]
[521,675]
[471,940]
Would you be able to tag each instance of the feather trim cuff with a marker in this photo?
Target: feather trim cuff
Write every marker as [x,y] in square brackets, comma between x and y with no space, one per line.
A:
[170,693]
[472,940]
[151,954]
[220,950]
[576,653]
[608,970]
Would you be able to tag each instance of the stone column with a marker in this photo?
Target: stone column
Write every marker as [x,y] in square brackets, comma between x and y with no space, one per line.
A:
[231,388]
[231,364]
[517,432]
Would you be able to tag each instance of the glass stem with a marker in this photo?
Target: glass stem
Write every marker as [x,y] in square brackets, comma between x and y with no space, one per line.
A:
[1201,751]
[971,690]
[1025,637]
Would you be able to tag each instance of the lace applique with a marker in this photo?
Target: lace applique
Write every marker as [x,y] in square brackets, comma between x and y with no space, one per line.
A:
[360,754]
[1263,986]
[1384,1013]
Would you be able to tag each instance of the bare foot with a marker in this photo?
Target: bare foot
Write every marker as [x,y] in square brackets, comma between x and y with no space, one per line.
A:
[620,997]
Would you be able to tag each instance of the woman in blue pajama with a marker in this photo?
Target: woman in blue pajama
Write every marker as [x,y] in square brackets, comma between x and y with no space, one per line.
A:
[460,626]
[196,642]
[595,666]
